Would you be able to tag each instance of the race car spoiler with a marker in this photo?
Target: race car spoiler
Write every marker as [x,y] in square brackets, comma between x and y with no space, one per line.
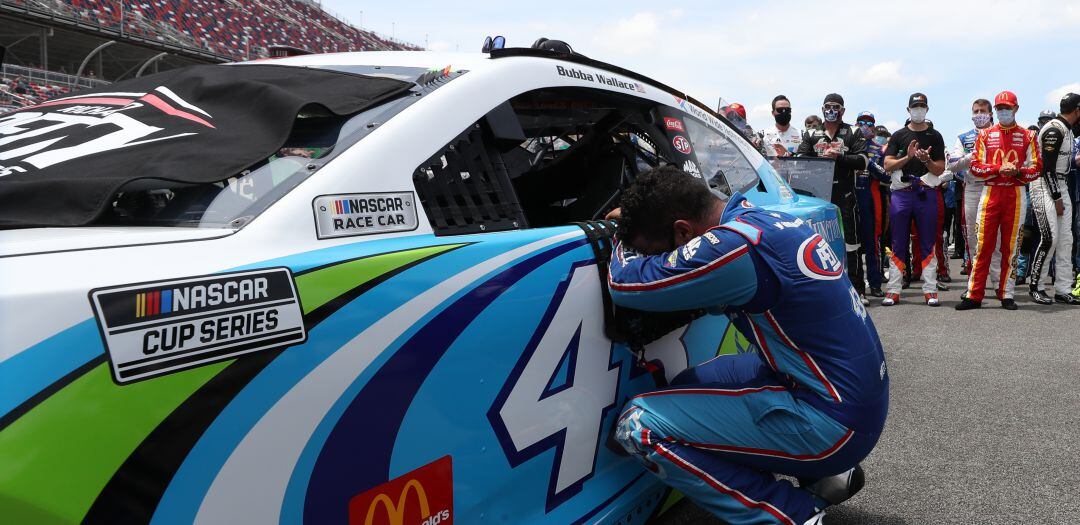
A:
[63,161]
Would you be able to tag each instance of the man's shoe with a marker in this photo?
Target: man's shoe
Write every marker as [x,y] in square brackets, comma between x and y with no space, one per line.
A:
[876,292]
[1067,299]
[942,287]
[944,277]
[1009,304]
[1040,297]
[890,299]
[1021,279]
[905,283]
[968,304]
[839,488]
[1076,288]
[864,300]
[931,299]
[966,270]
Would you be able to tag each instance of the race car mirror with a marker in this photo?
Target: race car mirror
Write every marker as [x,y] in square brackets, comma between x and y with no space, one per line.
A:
[65,159]
[807,176]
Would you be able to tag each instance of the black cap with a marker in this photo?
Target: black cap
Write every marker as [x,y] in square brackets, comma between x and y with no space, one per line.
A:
[916,98]
[1070,102]
[834,98]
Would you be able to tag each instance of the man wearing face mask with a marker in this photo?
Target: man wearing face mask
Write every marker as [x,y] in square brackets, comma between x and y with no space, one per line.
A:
[915,158]
[870,198]
[812,122]
[960,161]
[1052,209]
[782,140]
[1006,158]
[837,140]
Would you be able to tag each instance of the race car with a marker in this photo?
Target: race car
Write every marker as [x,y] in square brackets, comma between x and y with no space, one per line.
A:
[345,288]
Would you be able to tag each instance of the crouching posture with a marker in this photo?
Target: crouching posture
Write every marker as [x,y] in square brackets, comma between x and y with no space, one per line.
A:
[810,404]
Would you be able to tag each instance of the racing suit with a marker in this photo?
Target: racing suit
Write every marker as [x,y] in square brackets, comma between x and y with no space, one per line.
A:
[811,403]
[962,151]
[852,147]
[1055,231]
[870,201]
[1001,203]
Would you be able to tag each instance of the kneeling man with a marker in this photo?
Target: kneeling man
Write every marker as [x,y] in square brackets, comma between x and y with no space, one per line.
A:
[811,403]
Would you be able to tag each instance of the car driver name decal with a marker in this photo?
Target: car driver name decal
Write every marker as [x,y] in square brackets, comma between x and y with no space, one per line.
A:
[606,80]
[364,213]
[162,327]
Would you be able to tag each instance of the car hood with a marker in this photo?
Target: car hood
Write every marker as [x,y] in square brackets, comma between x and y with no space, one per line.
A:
[50,240]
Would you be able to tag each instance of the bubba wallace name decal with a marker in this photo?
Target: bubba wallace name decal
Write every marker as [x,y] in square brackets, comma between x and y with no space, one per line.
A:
[104,111]
[161,327]
[599,79]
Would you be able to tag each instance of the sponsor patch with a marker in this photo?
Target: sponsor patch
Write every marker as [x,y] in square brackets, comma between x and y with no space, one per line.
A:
[681,144]
[712,238]
[364,214]
[160,327]
[672,259]
[817,260]
[691,168]
[674,124]
[424,496]
[691,248]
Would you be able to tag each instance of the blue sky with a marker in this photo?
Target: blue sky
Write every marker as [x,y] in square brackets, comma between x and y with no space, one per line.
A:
[873,53]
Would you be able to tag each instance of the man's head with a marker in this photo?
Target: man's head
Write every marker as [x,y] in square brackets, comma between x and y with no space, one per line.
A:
[881,135]
[980,113]
[812,122]
[1006,104]
[665,208]
[1070,108]
[781,110]
[917,107]
[1045,116]
[866,123]
[833,108]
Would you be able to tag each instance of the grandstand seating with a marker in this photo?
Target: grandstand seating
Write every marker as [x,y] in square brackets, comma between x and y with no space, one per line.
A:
[237,28]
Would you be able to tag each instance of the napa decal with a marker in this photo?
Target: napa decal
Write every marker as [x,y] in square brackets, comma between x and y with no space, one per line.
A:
[424,496]
[364,214]
[156,328]
[818,261]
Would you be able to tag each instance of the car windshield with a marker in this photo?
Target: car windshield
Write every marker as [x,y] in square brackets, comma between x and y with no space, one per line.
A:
[316,138]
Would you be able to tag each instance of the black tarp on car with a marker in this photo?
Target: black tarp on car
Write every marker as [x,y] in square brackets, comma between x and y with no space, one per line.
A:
[63,161]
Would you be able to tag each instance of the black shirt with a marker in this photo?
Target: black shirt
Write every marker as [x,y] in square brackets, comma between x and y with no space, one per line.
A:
[929,137]
[852,157]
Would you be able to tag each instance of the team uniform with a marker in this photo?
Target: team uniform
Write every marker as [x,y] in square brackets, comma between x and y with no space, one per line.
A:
[1002,205]
[810,403]
[871,201]
[1056,235]
[963,151]
[789,139]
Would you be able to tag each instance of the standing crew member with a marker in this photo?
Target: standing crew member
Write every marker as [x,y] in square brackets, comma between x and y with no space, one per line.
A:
[982,117]
[836,140]
[868,192]
[1005,158]
[810,404]
[915,157]
[782,140]
[1053,211]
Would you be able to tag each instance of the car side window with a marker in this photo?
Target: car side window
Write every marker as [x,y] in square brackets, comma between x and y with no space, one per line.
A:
[722,164]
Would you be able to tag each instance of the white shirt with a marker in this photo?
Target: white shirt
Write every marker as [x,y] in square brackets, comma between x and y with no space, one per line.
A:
[789,139]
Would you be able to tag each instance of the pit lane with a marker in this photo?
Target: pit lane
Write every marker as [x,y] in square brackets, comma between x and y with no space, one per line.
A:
[984,421]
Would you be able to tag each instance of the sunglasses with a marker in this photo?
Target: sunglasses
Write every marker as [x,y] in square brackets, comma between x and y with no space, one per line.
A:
[833,106]
[865,123]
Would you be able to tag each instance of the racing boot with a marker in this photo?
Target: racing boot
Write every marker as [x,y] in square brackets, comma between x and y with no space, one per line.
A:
[876,292]
[864,300]
[942,287]
[839,488]
[931,299]
[1039,296]
[1076,288]
[1009,304]
[1067,299]
[968,304]
[890,299]
[967,268]
[944,277]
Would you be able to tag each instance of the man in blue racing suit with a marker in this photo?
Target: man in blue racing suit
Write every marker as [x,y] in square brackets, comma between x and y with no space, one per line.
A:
[811,403]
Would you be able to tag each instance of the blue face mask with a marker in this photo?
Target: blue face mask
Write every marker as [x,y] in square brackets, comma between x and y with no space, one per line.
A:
[1006,116]
[881,141]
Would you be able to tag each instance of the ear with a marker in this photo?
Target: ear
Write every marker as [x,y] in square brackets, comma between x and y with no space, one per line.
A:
[684,231]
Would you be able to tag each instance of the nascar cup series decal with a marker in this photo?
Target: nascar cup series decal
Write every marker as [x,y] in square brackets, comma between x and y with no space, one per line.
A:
[162,327]
[424,496]
[364,214]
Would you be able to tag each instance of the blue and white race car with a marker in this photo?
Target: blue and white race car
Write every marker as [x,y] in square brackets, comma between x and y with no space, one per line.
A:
[342,288]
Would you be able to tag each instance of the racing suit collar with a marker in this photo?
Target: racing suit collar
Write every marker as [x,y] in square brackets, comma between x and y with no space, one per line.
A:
[735,207]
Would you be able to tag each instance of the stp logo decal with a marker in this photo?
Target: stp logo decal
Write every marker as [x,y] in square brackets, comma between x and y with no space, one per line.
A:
[424,496]
[674,124]
[681,144]
[818,261]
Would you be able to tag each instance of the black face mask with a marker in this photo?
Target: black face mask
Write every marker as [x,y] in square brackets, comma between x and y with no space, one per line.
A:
[783,116]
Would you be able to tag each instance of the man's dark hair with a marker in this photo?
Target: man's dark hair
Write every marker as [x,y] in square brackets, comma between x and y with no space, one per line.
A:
[778,98]
[982,102]
[657,199]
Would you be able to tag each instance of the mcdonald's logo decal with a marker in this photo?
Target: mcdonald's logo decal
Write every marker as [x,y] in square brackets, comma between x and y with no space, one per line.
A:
[1002,156]
[424,496]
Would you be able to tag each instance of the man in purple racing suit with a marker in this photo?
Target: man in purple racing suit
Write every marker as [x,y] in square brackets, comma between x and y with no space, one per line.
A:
[810,403]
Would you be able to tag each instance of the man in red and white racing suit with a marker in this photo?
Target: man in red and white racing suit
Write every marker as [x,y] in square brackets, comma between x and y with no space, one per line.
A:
[1006,157]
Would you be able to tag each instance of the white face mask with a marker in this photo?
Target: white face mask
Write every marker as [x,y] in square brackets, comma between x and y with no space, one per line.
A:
[1006,116]
[918,115]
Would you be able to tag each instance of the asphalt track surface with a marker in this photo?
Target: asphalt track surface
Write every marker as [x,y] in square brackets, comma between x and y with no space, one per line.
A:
[984,418]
